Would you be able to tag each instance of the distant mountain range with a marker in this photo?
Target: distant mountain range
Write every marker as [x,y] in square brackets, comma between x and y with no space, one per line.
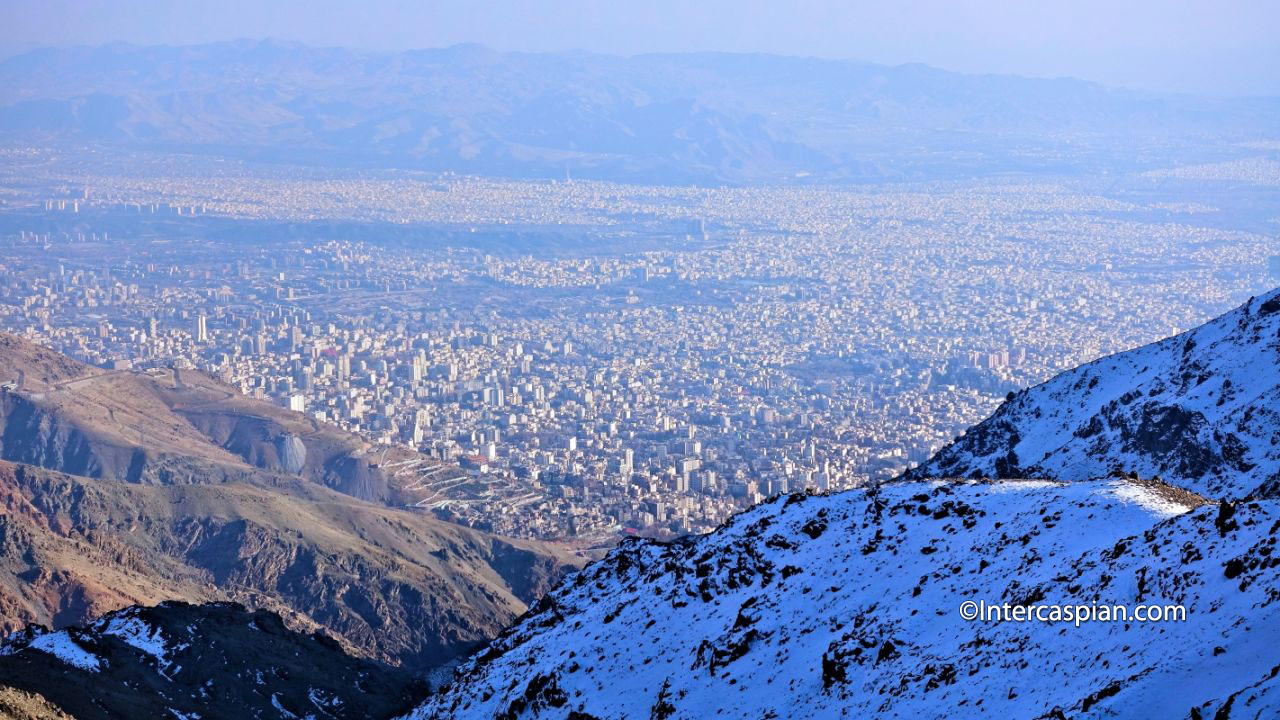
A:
[673,118]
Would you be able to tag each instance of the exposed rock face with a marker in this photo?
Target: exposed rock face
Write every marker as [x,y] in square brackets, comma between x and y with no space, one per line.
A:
[21,705]
[1200,409]
[169,426]
[293,453]
[33,435]
[388,584]
[848,606]
[64,415]
[179,660]
[276,440]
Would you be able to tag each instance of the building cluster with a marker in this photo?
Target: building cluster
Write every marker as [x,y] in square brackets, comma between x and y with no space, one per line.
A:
[697,351]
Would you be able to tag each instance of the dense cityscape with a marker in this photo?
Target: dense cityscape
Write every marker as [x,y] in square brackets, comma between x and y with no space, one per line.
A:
[672,356]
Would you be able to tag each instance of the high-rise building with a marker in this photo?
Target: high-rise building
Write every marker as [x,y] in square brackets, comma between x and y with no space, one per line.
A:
[201,331]
[304,378]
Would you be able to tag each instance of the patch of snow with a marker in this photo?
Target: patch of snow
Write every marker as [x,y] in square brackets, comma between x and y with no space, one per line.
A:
[1148,499]
[317,698]
[60,645]
[275,703]
[136,633]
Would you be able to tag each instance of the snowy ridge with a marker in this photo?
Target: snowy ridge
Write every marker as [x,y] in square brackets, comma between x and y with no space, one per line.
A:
[1200,409]
[78,647]
[61,645]
[129,626]
[848,606]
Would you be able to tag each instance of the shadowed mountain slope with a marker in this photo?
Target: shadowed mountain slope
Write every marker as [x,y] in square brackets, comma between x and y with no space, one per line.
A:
[389,584]
[211,661]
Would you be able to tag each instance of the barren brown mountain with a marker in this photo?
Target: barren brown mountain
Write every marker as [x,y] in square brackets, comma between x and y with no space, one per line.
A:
[177,426]
[134,488]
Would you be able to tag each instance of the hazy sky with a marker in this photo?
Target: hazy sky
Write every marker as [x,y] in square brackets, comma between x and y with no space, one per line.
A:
[1222,46]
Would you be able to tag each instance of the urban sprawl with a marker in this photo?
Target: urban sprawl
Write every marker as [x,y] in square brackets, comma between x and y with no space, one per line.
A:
[604,359]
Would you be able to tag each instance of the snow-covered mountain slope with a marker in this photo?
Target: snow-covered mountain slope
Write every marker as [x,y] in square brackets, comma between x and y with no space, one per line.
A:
[1200,409]
[848,605]
[216,660]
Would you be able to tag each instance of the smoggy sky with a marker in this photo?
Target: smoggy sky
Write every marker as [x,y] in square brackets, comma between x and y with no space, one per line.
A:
[1222,47]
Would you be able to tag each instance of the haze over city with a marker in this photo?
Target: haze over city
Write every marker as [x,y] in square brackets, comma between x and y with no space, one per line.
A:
[577,360]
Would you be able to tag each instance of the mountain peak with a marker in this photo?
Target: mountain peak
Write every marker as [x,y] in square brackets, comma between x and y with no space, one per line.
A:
[1199,409]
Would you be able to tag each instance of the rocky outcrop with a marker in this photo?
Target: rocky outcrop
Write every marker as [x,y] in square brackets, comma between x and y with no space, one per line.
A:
[184,661]
[21,705]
